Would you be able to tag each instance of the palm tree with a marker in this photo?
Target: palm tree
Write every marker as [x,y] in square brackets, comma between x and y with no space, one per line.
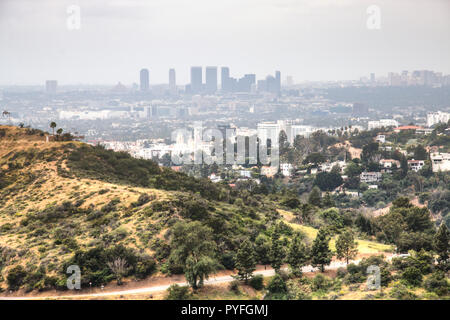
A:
[53,126]
[6,114]
[58,133]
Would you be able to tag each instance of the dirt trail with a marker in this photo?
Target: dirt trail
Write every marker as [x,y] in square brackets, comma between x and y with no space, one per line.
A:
[167,282]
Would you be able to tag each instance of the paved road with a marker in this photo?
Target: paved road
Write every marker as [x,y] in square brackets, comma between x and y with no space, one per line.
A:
[212,280]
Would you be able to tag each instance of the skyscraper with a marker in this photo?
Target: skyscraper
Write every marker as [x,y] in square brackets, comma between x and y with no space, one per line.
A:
[172,80]
[225,77]
[278,81]
[144,80]
[211,79]
[245,84]
[272,84]
[196,79]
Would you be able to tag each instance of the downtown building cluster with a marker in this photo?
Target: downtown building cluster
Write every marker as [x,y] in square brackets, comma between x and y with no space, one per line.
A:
[210,85]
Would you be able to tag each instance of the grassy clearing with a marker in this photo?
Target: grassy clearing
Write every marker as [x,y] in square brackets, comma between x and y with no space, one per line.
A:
[364,246]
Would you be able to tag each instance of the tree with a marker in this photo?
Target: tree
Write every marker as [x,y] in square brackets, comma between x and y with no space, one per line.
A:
[176,292]
[441,244]
[193,248]
[245,261]
[6,114]
[53,126]
[328,181]
[315,197]
[315,158]
[262,249]
[197,269]
[297,255]
[283,142]
[119,268]
[16,277]
[277,288]
[420,153]
[59,131]
[352,170]
[328,201]
[166,160]
[369,152]
[276,253]
[408,226]
[412,276]
[346,247]
[320,252]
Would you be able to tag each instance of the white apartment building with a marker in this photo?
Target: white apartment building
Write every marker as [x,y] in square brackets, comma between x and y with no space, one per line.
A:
[440,161]
[437,117]
[245,173]
[84,115]
[271,130]
[382,123]
[328,166]
[268,130]
[286,169]
[301,130]
[368,177]
[389,163]
[416,165]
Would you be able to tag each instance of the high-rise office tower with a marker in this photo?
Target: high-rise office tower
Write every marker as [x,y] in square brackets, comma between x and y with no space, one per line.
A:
[225,79]
[172,80]
[211,79]
[272,84]
[245,84]
[144,80]
[196,79]
[278,80]
[51,86]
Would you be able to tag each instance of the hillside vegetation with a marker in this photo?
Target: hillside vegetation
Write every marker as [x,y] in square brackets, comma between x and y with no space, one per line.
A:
[66,203]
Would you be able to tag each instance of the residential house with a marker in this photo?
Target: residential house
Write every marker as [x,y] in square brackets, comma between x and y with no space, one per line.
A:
[381,138]
[286,169]
[440,161]
[388,164]
[415,165]
[368,177]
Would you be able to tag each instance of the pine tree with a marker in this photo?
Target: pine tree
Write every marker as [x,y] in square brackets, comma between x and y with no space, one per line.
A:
[328,201]
[320,253]
[297,255]
[276,253]
[346,247]
[441,244]
[315,197]
[262,249]
[245,260]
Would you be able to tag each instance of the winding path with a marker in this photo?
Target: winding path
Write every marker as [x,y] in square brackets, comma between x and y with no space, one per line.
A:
[152,289]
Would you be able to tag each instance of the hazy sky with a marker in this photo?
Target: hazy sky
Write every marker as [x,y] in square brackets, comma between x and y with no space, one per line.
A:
[308,39]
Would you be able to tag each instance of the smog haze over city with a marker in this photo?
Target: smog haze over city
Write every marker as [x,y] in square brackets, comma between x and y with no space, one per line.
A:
[308,39]
[225,150]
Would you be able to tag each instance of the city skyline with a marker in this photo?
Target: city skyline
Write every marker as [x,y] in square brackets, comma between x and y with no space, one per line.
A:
[309,40]
[244,82]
